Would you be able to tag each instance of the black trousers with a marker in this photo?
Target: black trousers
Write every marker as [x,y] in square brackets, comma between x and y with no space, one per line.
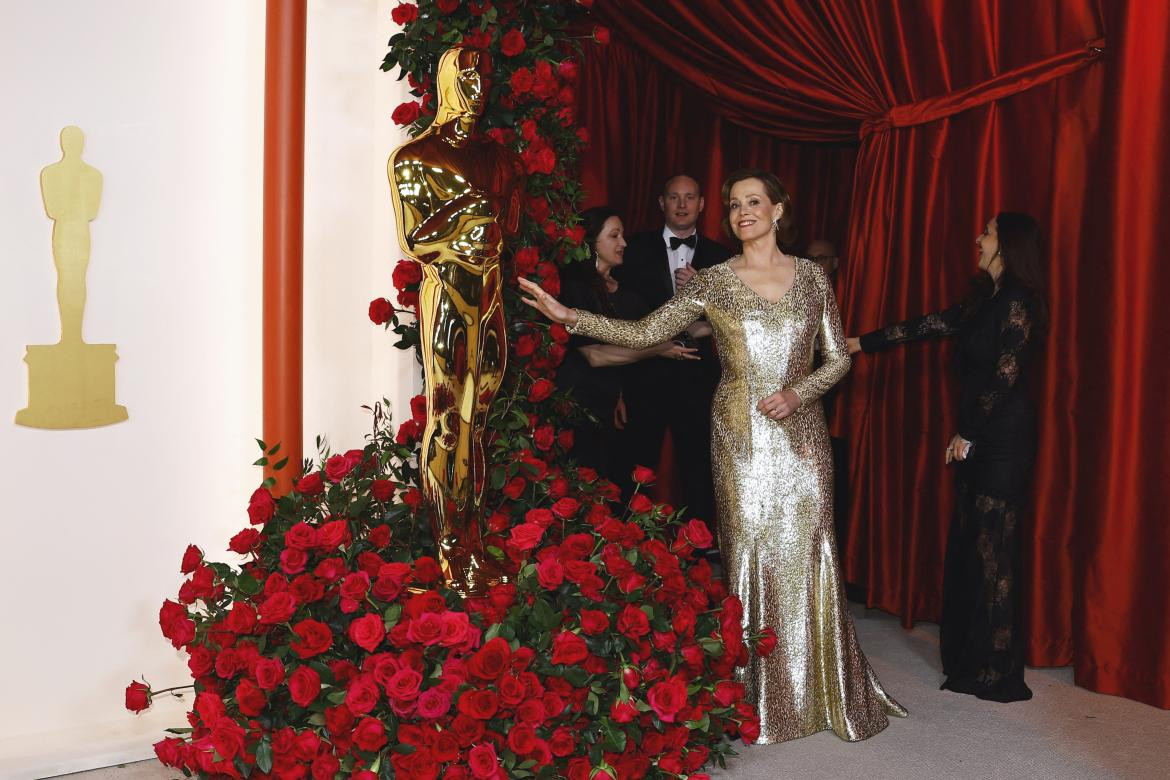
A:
[675,398]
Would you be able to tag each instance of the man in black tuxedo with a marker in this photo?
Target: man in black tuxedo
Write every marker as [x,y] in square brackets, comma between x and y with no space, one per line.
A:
[662,393]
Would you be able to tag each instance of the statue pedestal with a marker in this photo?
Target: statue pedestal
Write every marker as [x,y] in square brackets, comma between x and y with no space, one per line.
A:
[71,386]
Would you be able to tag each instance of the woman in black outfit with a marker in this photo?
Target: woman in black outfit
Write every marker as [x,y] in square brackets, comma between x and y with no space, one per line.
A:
[997,328]
[594,372]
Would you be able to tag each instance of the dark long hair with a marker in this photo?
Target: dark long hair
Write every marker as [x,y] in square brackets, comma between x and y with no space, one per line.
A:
[585,273]
[786,227]
[1021,250]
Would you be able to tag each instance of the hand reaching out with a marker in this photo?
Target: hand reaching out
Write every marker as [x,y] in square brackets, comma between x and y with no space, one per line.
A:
[546,304]
[853,344]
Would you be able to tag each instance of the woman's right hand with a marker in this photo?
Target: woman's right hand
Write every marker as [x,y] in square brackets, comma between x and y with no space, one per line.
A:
[853,344]
[546,304]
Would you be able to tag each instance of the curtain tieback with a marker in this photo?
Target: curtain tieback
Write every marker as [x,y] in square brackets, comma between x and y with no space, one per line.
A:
[997,88]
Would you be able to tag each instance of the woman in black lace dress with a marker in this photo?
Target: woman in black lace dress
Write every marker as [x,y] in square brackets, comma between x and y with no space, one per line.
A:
[997,327]
[594,372]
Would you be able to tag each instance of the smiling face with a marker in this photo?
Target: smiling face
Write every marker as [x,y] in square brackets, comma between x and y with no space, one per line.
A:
[681,204]
[610,245]
[988,243]
[750,211]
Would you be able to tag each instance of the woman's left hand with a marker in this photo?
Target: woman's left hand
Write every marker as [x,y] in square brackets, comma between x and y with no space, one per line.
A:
[779,404]
[958,448]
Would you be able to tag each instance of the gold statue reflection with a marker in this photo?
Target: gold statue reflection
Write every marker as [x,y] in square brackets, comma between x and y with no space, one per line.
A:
[457,196]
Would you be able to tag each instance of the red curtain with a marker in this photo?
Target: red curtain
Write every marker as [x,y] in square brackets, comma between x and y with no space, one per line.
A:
[962,109]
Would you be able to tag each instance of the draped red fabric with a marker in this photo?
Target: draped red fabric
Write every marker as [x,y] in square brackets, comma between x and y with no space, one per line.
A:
[963,109]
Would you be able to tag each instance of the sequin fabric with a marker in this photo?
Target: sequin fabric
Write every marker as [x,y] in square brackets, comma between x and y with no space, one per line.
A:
[774,494]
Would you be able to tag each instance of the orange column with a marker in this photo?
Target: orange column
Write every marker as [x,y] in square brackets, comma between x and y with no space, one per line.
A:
[284,156]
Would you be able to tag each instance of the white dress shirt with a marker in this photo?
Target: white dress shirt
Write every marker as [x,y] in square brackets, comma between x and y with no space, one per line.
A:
[683,255]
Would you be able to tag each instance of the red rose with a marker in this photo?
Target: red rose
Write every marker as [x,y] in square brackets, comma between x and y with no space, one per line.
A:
[370,734]
[566,508]
[447,6]
[491,660]
[315,638]
[382,489]
[766,643]
[522,739]
[543,437]
[480,705]
[241,618]
[697,533]
[245,541]
[483,761]
[667,698]
[325,767]
[631,677]
[633,622]
[550,573]
[404,685]
[540,390]
[426,570]
[137,697]
[641,504]
[201,661]
[277,608]
[380,311]
[643,475]
[406,273]
[361,695]
[512,43]
[356,584]
[192,557]
[338,720]
[250,699]
[749,731]
[455,629]
[727,693]
[176,625]
[293,561]
[526,535]
[623,711]
[601,35]
[425,629]
[515,487]
[594,621]
[261,506]
[367,632]
[337,466]
[269,673]
[304,684]
[309,485]
[434,703]
[527,259]
[539,157]
[404,13]
[406,113]
[563,742]
[170,751]
[568,648]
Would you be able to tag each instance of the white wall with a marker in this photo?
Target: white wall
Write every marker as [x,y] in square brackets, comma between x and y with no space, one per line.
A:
[169,95]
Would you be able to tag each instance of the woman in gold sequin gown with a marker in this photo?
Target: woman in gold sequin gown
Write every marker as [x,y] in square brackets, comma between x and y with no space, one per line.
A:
[772,462]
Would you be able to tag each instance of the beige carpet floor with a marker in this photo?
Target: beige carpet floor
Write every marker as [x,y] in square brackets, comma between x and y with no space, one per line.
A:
[1064,733]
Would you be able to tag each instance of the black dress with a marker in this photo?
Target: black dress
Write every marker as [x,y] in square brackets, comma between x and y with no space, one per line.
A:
[597,445]
[982,640]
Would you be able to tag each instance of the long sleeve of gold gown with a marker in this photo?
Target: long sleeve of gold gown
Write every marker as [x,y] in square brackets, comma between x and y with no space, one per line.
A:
[774,493]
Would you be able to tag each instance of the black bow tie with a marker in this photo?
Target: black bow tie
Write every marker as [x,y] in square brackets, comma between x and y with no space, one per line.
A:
[676,242]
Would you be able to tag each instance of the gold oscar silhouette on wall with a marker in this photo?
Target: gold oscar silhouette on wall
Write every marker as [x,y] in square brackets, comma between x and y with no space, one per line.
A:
[71,383]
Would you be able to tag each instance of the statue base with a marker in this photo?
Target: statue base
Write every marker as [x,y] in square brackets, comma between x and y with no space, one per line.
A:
[71,385]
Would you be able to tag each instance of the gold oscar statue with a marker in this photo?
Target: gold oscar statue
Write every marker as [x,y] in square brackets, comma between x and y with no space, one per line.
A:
[71,383]
[457,196]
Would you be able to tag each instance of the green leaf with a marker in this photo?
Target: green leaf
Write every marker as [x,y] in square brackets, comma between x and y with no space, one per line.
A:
[391,615]
[263,446]
[264,755]
[275,449]
[281,464]
[260,462]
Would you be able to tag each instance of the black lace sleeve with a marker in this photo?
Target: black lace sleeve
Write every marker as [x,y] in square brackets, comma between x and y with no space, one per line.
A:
[938,324]
[1015,336]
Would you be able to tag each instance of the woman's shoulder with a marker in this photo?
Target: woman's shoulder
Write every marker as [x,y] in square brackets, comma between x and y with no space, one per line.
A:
[813,272]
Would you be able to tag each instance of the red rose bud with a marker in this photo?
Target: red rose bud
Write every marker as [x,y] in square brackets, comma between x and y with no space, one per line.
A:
[512,43]
[406,113]
[631,677]
[261,507]
[643,475]
[540,390]
[191,559]
[697,533]
[137,697]
[601,35]
[404,13]
[380,311]
[766,643]
[623,711]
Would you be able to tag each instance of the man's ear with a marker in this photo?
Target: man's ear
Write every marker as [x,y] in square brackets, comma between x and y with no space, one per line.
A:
[702,203]
[662,204]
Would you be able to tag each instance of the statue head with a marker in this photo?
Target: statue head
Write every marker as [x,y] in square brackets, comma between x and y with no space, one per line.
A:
[72,140]
[461,83]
